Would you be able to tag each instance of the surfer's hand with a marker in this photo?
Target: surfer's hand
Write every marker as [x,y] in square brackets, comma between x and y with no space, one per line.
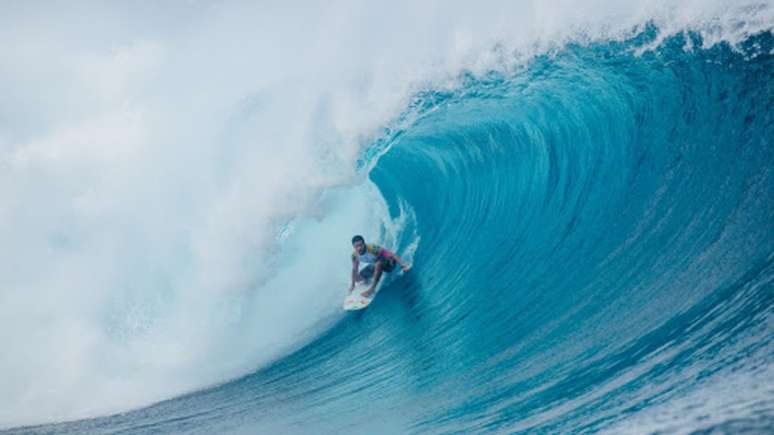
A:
[405,268]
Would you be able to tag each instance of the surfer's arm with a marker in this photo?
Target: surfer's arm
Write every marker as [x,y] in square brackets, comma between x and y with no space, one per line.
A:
[355,268]
[397,259]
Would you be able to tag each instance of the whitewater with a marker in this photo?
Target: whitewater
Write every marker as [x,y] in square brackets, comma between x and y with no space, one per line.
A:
[585,193]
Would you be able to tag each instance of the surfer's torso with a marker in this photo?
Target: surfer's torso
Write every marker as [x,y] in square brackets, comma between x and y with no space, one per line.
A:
[372,254]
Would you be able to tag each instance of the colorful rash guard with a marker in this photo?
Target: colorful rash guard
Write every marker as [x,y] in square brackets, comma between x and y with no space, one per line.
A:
[372,254]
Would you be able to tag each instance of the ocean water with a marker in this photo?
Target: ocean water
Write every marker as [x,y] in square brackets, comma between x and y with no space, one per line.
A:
[586,197]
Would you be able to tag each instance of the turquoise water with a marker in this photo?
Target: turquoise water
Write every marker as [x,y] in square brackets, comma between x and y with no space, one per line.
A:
[596,253]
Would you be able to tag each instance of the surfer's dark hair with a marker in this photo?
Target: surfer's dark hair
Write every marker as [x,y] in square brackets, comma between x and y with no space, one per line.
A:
[358,238]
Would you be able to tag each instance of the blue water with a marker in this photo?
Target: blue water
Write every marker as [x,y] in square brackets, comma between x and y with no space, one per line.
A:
[596,254]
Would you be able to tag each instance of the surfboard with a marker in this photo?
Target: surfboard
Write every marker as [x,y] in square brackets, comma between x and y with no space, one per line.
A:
[356,301]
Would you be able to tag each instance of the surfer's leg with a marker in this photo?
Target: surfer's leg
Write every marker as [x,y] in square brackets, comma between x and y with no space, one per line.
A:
[377,275]
[366,273]
[388,265]
[377,272]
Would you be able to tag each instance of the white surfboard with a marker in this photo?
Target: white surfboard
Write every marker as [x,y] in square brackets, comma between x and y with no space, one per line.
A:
[356,301]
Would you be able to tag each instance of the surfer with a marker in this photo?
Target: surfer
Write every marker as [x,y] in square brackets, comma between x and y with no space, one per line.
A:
[378,260]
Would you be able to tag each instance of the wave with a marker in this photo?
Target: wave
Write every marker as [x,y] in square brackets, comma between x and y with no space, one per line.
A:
[597,234]
[588,214]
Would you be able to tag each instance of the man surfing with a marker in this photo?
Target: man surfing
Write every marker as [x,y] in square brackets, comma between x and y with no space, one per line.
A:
[378,260]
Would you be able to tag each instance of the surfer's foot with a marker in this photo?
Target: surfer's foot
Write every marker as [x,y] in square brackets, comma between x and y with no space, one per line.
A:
[367,293]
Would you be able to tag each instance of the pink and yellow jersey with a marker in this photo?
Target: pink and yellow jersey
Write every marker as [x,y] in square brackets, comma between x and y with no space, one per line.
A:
[373,253]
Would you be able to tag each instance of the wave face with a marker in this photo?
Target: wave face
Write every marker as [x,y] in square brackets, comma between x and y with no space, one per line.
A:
[591,229]
[596,252]
[597,241]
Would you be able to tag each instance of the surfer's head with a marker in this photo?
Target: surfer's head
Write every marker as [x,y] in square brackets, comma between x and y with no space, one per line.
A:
[358,242]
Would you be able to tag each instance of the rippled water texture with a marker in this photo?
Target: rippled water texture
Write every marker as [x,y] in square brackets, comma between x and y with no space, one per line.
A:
[596,252]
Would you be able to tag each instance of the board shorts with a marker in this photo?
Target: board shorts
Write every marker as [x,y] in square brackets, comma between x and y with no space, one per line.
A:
[388,265]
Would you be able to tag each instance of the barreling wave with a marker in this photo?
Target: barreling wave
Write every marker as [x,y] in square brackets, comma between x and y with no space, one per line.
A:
[598,234]
[594,250]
